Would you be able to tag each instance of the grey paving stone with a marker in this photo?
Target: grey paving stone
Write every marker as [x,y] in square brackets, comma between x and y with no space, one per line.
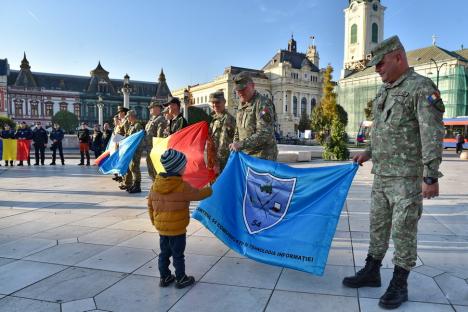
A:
[79,305]
[420,288]
[71,284]
[428,271]
[195,265]
[28,229]
[144,240]
[24,247]
[123,212]
[450,260]
[134,225]
[68,254]
[108,237]
[193,226]
[371,305]
[203,232]
[97,221]
[23,218]
[19,274]
[455,289]
[119,259]
[205,246]
[138,293]
[285,301]
[9,211]
[13,304]
[206,297]
[4,261]
[328,284]
[66,232]
[243,272]
[461,308]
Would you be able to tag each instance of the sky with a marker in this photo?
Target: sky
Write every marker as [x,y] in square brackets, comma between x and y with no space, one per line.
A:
[193,41]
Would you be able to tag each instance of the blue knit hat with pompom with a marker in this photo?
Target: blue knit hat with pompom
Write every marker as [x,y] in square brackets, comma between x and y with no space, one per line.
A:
[173,161]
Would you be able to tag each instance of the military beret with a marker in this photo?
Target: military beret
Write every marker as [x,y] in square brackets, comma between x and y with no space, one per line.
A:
[154,104]
[173,100]
[380,50]
[217,96]
[241,80]
[122,109]
[131,113]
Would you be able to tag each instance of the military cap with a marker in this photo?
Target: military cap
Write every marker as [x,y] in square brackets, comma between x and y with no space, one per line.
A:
[122,109]
[166,110]
[217,96]
[241,80]
[379,51]
[154,104]
[173,100]
[131,113]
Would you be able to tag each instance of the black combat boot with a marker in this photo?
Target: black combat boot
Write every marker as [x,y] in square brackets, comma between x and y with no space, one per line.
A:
[123,187]
[397,291]
[368,276]
[135,188]
[81,159]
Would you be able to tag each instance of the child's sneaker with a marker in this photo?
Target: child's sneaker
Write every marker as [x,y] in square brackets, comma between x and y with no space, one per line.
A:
[185,281]
[168,280]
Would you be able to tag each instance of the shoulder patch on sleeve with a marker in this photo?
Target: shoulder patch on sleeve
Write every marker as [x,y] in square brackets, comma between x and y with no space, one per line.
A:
[265,114]
[435,100]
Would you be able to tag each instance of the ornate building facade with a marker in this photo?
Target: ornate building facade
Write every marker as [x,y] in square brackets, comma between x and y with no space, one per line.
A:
[359,85]
[33,96]
[291,79]
[3,85]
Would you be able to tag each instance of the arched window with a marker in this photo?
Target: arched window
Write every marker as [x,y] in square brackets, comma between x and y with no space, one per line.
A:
[77,110]
[303,106]
[313,102]
[354,33]
[375,33]
[295,106]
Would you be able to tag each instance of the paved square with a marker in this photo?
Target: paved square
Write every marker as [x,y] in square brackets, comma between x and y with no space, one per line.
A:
[70,240]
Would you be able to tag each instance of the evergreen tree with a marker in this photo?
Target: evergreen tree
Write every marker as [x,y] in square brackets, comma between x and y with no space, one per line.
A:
[67,120]
[335,147]
[6,121]
[304,123]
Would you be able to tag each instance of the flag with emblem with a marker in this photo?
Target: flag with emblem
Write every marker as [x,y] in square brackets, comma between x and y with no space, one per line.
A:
[277,214]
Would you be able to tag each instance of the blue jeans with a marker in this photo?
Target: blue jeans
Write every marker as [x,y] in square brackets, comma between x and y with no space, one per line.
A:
[172,246]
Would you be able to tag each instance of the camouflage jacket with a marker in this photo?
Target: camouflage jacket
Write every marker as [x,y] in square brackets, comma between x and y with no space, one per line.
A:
[132,129]
[222,128]
[123,128]
[407,129]
[154,128]
[255,127]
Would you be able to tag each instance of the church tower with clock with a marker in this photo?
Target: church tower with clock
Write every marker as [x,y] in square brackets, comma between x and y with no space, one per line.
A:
[364,27]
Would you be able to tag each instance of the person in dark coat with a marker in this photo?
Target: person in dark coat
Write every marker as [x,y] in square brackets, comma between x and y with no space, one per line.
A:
[40,140]
[8,133]
[106,135]
[56,136]
[84,138]
[97,142]
[24,133]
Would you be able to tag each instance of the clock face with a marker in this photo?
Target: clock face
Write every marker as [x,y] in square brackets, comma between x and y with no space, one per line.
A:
[375,7]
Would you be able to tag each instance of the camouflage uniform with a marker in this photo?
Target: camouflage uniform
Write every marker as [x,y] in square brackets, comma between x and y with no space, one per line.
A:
[134,172]
[406,144]
[255,127]
[154,128]
[222,128]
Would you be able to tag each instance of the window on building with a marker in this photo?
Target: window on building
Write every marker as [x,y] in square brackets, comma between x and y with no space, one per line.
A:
[295,106]
[18,108]
[49,109]
[313,102]
[375,33]
[354,33]
[303,106]
[34,109]
[63,107]
[77,110]
[91,112]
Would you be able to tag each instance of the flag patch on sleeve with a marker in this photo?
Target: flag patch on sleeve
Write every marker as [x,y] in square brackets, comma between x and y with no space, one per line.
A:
[433,98]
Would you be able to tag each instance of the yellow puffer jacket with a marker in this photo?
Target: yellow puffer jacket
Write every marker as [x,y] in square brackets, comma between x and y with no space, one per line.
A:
[168,204]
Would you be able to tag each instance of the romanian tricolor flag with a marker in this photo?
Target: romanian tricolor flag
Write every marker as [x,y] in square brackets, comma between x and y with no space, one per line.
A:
[191,141]
[12,149]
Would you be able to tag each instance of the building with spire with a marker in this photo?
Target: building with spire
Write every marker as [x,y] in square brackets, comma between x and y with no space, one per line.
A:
[293,80]
[33,96]
[359,84]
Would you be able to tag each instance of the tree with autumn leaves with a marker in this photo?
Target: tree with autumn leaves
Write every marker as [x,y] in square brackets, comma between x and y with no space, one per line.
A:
[329,122]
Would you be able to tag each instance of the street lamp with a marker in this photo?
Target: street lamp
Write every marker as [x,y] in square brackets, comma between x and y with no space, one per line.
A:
[126,89]
[186,102]
[100,105]
[438,71]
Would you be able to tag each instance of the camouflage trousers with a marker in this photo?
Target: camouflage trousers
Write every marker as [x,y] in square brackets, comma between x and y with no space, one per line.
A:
[151,170]
[396,208]
[134,173]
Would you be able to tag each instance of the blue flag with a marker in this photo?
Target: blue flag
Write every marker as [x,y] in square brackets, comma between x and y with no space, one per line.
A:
[277,214]
[118,161]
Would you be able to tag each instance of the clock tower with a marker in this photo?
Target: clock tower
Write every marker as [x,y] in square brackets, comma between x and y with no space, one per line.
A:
[364,26]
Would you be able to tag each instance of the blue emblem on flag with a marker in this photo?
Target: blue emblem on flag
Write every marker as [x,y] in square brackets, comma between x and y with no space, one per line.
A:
[266,200]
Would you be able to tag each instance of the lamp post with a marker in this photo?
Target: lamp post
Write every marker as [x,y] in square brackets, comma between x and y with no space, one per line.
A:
[100,106]
[126,89]
[438,71]
[186,103]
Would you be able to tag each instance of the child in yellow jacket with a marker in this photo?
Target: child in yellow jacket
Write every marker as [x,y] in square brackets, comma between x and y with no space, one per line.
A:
[168,207]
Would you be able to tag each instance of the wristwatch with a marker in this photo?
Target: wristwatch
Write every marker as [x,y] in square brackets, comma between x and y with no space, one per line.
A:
[430,181]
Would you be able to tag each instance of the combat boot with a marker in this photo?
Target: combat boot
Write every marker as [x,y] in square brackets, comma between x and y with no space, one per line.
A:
[135,188]
[397,291]
[123,187]
[368,276]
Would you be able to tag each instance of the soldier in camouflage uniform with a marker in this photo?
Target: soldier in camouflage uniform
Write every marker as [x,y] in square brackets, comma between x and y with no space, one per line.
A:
[406,149]
[132,180]
[124,125]
[178,121]
[222,128]
[255,121]
[154,128]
